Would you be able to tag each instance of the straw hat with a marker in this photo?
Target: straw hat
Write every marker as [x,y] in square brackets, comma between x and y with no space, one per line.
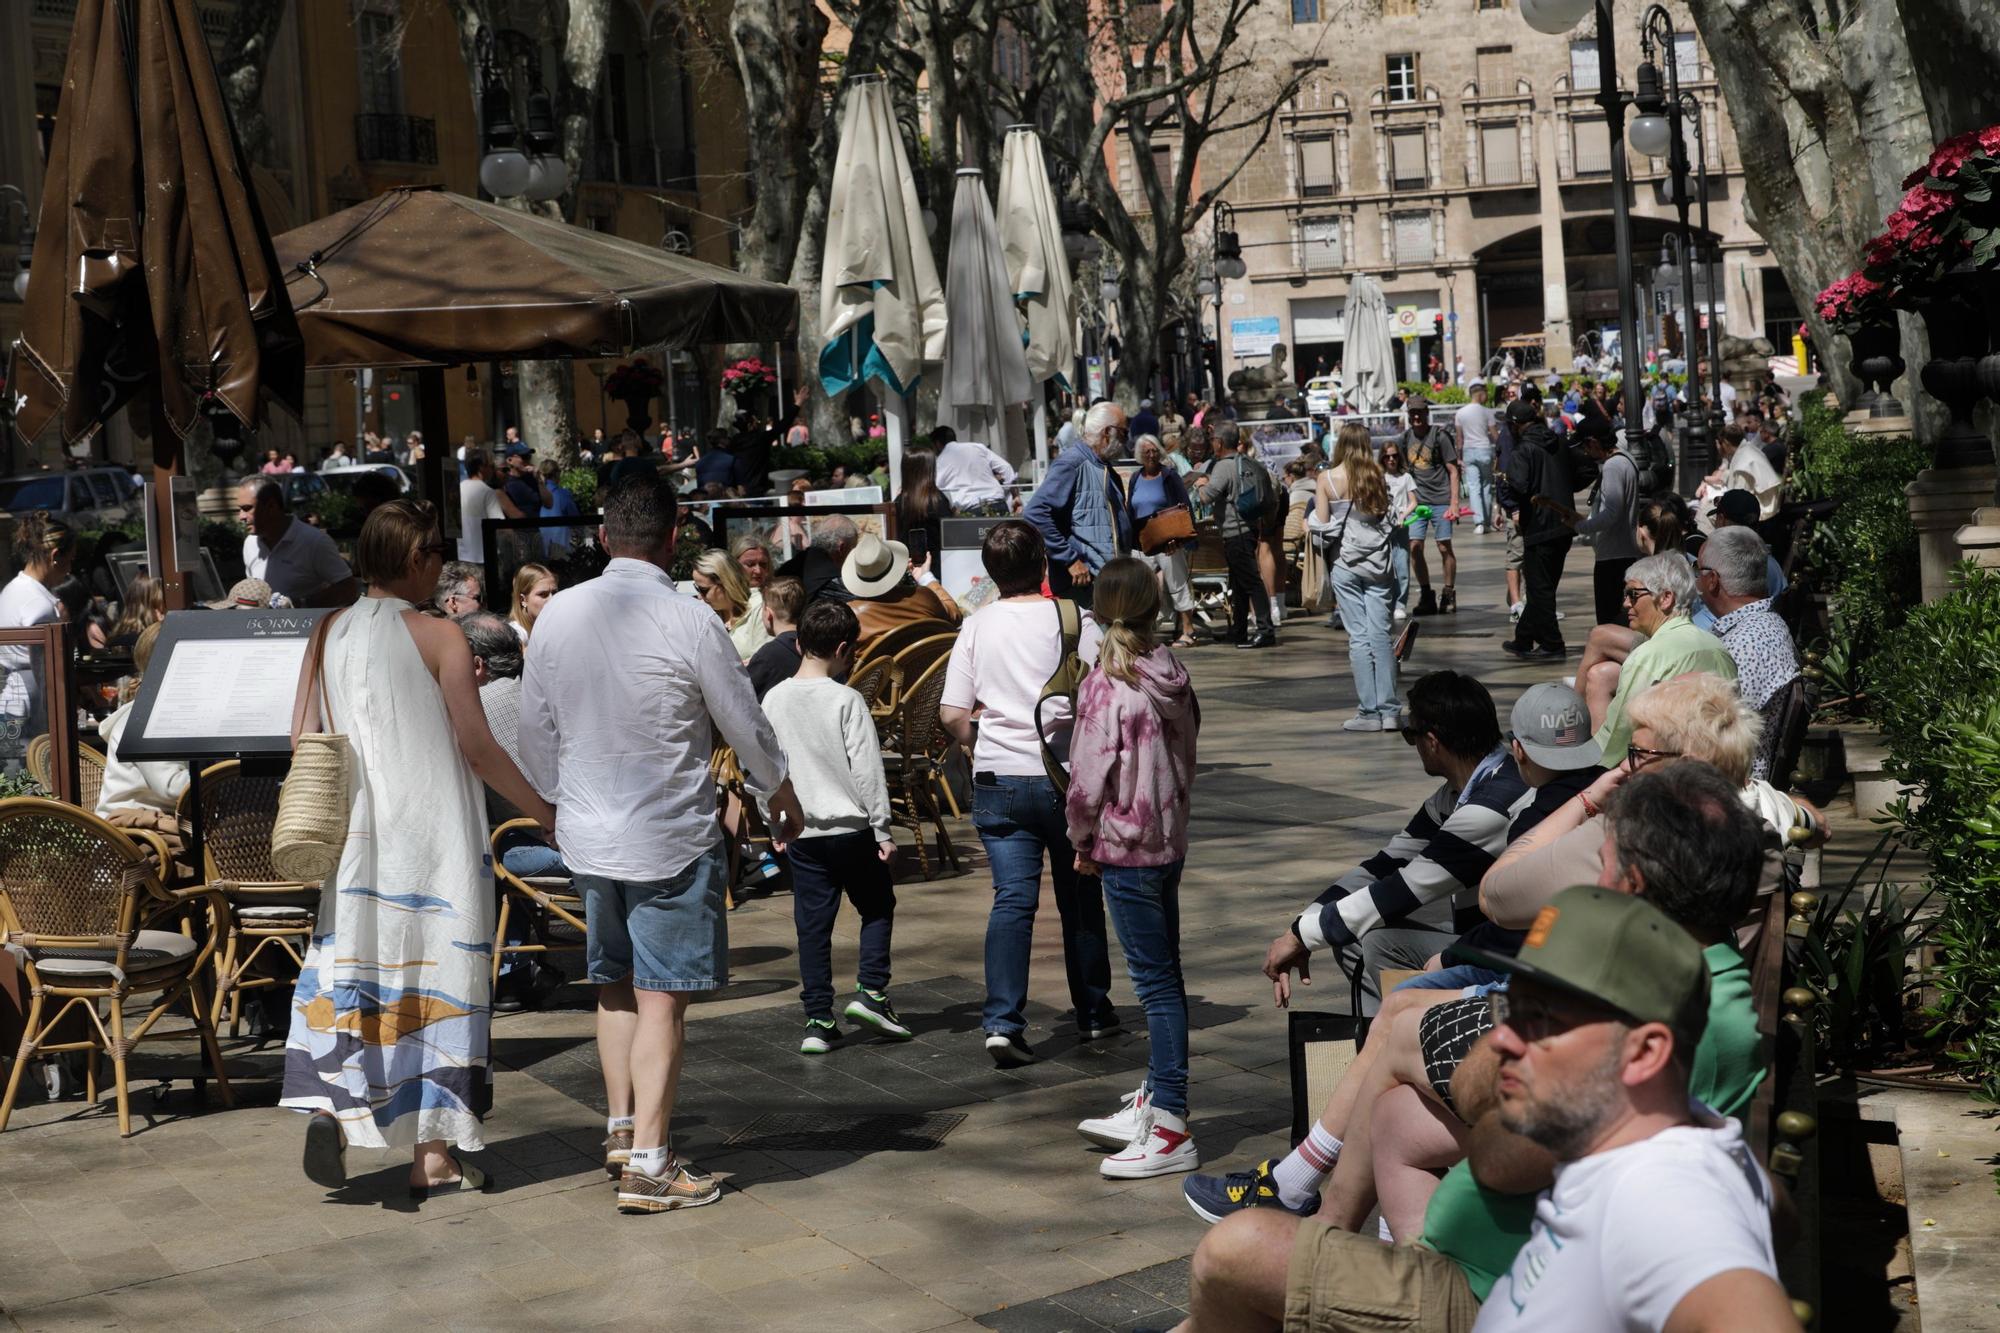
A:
[874,566]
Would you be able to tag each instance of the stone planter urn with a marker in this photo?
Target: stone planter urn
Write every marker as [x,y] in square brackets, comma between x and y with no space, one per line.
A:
[1953,317]
[1876,361]
[637,413]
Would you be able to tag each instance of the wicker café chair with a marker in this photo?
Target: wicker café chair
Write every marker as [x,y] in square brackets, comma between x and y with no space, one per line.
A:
[911,663]
[36,760]
[892,641]
[263,913]
[875,680]
[72,888]
[553,908]
[912,768]
[89,776]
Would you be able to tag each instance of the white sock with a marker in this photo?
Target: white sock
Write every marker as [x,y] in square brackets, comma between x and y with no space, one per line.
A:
[649,1161]
[616,1123]
[1301,1174]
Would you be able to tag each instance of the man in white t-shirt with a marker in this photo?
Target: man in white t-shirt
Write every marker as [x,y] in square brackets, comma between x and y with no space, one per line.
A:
[1659,1216]
[297,559]
[972,476]
[478,500]
[1474,423]
[1004,655]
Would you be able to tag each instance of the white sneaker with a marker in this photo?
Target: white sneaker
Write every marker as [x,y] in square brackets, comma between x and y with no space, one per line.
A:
[1160,1148]
[1116,1130]
[1362,722]
[1479,529]
[1402,613]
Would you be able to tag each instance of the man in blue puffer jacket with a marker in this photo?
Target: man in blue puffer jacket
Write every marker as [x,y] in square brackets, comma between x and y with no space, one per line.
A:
[1080,508]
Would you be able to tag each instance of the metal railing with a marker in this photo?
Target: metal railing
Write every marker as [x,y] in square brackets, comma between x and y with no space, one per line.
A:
[380,137]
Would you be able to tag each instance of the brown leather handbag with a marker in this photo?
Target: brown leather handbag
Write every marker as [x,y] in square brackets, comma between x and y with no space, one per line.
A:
[1159,532]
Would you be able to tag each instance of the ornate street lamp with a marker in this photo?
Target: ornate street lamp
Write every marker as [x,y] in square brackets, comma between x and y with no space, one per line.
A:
[507,171]
[1556,17]
[1658,132]
[1226,262]
[1691,107]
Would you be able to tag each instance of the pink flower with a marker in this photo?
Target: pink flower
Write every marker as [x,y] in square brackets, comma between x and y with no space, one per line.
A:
[1921,204]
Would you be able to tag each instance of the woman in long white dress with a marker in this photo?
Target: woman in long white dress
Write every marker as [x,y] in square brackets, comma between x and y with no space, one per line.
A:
[390,1020]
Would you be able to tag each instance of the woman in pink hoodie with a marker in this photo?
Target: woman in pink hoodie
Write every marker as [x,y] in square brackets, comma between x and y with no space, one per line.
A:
[1131,768]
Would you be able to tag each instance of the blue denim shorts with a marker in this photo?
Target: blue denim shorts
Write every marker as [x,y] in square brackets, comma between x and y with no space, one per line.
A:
[665,934]
[1432,528]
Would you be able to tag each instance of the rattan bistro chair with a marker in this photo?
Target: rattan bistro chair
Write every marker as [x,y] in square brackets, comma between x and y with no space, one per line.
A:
[912,764]
[89,776]
[72,889]
[553,908]
[892,641]
[262,911]
[36,760]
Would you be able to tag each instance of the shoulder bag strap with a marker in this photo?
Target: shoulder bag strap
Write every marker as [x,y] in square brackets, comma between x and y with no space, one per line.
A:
[308,710]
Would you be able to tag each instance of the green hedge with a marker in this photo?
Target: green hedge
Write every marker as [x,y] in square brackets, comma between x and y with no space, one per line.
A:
[1865,557]
[1936,690]
[818,460]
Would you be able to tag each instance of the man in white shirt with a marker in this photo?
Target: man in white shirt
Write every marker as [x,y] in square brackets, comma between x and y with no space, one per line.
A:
[1474,423]
[628,685]
[298,560]
[478,500]
[973,477]
[1004,655]
[1659,1217]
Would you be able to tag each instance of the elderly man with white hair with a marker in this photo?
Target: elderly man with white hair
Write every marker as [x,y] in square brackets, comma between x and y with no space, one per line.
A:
[1080,506]
[1659,597]
[1732,575]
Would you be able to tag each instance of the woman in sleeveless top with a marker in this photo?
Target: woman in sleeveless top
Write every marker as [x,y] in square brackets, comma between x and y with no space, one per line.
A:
[1352,508]
[389,1038]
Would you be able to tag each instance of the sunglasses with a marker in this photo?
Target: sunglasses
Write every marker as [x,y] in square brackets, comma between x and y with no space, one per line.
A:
[1638,756]
[1634,595]
[1411,735]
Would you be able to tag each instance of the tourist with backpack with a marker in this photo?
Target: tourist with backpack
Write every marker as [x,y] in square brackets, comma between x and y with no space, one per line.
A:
[1239,491]
[1017,663]
[1613,522]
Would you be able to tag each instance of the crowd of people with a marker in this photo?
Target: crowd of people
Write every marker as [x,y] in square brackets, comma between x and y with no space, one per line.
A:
[1549,952]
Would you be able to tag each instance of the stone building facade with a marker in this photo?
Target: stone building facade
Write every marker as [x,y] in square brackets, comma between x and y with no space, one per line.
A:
[1458,155]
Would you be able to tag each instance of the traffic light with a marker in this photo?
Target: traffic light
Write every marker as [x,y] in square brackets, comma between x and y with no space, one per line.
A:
[1437,322]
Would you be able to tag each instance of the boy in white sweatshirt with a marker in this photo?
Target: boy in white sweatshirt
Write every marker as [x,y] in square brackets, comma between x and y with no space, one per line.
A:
[836,769]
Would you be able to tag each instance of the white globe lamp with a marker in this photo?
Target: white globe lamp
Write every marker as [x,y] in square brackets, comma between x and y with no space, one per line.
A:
[1554,17]
[504,173]
[1650,135]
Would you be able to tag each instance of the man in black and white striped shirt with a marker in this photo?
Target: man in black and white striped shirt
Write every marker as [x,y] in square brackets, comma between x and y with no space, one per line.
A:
[1420,892]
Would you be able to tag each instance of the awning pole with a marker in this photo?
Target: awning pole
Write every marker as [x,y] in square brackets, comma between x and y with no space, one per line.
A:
[167,464]
[892,421]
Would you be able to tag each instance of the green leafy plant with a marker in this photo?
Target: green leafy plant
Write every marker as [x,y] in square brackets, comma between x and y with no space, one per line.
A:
[1864,557]
[1936,691]
[582,483]
[1859,962]
[19,784]
[336,511]
[818,460]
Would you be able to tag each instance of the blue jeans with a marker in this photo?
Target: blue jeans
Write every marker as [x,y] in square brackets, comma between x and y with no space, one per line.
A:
[1145,903]
[1399,563]
[822,870]
[1365,609]
[1478,483]
[1458,976]
[1018,818]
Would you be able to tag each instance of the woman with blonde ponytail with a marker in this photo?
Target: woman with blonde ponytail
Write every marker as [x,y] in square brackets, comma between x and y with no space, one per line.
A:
[1131,771]
[1351,515]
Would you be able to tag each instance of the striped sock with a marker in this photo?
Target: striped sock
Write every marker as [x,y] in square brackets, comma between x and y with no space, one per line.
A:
[1301,1174]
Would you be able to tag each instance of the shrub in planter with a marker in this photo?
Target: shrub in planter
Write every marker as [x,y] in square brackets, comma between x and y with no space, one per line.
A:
[582,483]
[1937,694]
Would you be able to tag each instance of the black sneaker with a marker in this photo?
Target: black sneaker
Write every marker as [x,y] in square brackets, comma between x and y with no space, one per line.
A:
[1426,603]
[822,1035]
[1266,639]
[1448,601]
[1110,1027]
[1216,1197]
[1547,653]
[1008,1050]
[873,1008]
[1515,648]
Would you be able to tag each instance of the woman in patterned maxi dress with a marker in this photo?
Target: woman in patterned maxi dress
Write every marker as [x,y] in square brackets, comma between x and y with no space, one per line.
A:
[390,1018]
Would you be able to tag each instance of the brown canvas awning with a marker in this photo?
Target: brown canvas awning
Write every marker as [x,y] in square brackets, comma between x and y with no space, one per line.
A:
[423,277]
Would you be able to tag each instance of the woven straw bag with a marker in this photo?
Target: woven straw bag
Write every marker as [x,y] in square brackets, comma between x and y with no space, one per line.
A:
[311,825]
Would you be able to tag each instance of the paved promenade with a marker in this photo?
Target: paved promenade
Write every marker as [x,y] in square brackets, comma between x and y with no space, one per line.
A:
[886,1187]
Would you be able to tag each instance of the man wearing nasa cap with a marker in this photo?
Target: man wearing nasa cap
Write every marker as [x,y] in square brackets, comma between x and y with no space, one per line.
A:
[1659,1216]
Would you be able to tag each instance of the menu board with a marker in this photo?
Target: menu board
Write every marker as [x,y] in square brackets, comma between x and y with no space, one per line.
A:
[220,686]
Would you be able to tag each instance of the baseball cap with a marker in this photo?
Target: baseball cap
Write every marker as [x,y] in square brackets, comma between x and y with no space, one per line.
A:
[1739,507]
[1520,412]
[1615,949]
[1553,726]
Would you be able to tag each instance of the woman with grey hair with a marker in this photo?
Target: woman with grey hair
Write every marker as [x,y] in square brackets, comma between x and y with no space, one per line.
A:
[1659,595]
[1156,489]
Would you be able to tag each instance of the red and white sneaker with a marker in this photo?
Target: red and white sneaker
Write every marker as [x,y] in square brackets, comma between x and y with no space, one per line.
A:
[1160,1148]
[1116,1130]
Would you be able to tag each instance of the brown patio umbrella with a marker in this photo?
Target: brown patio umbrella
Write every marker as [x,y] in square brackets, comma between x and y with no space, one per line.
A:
[153,269]
[423,277]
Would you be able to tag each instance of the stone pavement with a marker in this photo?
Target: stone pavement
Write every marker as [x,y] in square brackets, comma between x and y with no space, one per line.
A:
[203,1219]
